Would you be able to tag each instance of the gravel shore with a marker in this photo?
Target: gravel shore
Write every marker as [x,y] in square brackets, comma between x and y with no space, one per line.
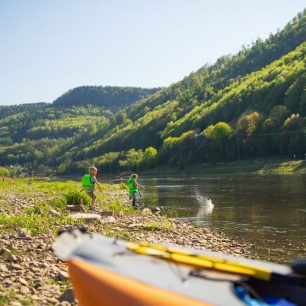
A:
[30,274]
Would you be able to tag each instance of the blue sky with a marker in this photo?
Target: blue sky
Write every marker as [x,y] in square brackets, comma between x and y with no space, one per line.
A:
[50,46]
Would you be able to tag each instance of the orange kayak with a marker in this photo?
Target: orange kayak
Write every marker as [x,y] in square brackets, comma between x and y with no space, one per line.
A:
[107,271]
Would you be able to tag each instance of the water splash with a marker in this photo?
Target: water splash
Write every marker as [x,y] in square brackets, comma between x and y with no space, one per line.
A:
[206,205]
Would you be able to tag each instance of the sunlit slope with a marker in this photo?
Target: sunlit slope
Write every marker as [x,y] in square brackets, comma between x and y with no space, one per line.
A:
[280,83]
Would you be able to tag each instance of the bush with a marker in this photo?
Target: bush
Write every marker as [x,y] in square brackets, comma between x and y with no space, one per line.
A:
[123,186]
[75,197]
[60,203]
[4,172]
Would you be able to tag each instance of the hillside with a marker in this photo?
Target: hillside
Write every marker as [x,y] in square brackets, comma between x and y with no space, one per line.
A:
[102,96]
[8,110]
[174,119]
[108,97]
[249,105]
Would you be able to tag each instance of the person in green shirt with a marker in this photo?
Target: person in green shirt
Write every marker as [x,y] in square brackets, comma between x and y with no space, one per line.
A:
[89,183]
[133,188]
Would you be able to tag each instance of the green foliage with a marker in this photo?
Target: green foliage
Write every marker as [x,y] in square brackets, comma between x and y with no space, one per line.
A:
[149,157]
[218,142]
[249,123]
[220,131]
[74,197]
[133,159]
[34,223]
[108,161]
[123,186]
[4,171]
[108,96]
[6,141]
[294,122]
[10,296]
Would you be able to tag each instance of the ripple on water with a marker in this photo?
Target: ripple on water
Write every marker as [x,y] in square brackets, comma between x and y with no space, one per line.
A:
[169,186]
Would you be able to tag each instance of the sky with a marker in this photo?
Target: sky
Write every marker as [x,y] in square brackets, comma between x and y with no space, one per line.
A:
[50,46]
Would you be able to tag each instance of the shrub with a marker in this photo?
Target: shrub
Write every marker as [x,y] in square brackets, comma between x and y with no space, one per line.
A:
[4,172]
[60,203]
[75,197]
[123,186]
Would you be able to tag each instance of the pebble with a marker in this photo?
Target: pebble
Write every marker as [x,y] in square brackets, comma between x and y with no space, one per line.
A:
[62,276]
[15,304]
[15,267]
[11,258]
[3,268]
[147,212]
[54,213]
[23,233]
[67,296]
[5,251]
[110,219]
[24,290]
[23,282]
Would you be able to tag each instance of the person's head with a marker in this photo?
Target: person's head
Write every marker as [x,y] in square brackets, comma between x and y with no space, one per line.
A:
[134,176]
[93,170]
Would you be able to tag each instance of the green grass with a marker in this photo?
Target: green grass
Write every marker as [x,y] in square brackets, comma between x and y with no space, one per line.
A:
[161,224]
[117,206]
[288,167]
[10,296]
[34,223]
[41,197]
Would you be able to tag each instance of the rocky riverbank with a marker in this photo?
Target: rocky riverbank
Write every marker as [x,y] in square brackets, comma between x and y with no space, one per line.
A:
[30,274]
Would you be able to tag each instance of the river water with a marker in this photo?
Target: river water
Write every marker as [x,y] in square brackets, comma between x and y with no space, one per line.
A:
[265,212]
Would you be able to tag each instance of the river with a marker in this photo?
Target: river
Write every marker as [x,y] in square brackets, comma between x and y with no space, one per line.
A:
[265,212]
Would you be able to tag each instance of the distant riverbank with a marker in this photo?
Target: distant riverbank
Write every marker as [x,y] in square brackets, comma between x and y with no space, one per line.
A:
[257,166]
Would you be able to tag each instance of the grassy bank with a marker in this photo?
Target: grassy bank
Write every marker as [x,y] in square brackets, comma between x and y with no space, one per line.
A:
[33,211]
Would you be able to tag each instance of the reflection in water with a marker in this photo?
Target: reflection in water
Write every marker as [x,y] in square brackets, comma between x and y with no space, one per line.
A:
[206,206]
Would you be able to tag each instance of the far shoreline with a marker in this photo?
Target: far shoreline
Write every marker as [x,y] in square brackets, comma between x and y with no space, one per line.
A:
[252,166]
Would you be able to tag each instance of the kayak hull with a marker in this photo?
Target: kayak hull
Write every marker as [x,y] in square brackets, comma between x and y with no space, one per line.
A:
[99,287]
[107,271]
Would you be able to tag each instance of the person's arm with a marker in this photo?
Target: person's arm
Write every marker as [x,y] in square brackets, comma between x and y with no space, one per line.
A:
[99,185]
[139,185]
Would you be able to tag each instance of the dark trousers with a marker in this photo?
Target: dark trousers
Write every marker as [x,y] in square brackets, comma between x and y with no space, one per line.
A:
[134,198]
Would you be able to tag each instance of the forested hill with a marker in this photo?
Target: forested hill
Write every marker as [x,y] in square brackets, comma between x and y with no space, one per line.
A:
[108,97]
[8,110]
[249,105]
[103,96]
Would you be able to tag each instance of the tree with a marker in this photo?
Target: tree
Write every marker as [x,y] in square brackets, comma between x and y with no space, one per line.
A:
[149,156]
[120,118]
[222,131]
[133,159]
[294,122]
[248,124]
[218,136]
[278,113]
